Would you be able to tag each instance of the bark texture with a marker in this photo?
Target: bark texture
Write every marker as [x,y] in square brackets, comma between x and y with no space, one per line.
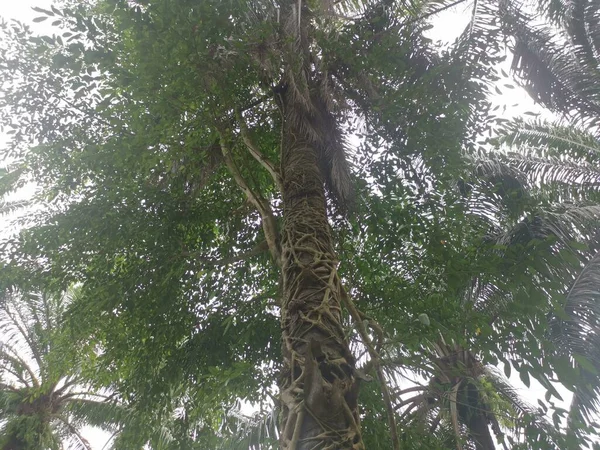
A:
[318,388]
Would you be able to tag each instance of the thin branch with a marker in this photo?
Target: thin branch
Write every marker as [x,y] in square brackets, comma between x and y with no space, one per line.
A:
[256,153]
[268,219]
[387,398]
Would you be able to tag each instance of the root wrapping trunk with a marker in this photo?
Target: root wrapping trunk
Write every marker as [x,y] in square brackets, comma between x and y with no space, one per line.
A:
[318,388]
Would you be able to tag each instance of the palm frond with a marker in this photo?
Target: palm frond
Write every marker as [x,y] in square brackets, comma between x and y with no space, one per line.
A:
[579,26]
[553,170]
[256,432]
[559,12]
[553,70]
[546,139]
[102,414]
[549,239]
[513,411]
[576,332]
[573,222]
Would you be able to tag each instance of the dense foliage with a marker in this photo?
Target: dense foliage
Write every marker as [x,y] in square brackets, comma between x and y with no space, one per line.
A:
[293,208]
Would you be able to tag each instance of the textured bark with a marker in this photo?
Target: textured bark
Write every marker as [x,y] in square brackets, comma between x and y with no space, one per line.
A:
[318,387]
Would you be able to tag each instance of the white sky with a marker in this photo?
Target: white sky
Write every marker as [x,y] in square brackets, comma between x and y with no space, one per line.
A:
[512,102]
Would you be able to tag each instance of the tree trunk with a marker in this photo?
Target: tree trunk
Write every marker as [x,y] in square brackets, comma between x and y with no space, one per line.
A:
[473,413]
[318,387]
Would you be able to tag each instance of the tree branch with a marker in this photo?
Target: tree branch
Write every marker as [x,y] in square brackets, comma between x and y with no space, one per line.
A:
[268,219]
[256,153]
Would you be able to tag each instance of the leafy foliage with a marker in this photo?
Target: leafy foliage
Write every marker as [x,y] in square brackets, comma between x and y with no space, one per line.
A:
[154,130]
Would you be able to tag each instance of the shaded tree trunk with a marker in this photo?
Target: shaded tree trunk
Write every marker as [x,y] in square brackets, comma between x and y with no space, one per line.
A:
[318,387]
[473,412]
[480,432]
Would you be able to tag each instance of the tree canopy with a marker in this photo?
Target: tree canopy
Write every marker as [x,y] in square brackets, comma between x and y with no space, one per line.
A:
[309,210]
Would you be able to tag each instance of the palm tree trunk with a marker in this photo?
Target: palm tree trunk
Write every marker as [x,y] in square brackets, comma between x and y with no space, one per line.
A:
[480,432]
[318,386]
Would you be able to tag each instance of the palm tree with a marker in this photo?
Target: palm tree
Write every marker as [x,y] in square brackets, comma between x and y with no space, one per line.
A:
[43,398]
[554,169]
[557,58]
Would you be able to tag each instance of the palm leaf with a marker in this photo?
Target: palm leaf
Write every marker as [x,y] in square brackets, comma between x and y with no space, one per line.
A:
[256,432]
[556,68]
[102,414]
[521,414]
[578,335]
[543,139]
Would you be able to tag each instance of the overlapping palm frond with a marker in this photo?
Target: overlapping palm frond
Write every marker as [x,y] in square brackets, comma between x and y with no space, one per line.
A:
[558,62]
[576,333]
[538,248]
[546,153]
[557,167]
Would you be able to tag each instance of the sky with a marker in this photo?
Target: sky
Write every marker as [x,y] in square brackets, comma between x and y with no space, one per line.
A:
[512,102]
